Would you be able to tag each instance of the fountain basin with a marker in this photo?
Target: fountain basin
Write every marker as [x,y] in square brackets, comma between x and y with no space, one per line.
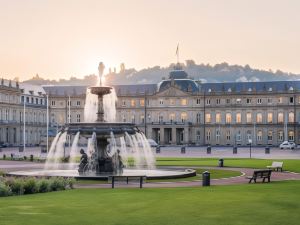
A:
[100,90]
[150,174]
[102,129]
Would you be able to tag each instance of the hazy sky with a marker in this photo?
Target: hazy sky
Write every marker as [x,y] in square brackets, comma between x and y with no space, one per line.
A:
[60,38]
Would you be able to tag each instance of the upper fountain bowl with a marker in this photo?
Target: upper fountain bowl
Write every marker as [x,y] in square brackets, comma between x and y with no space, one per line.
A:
[100,90]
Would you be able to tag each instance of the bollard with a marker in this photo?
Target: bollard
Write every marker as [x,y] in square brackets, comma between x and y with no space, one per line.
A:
[158,149]
[183,150]
[234,151]
[221,162]
[267,150]
[208,150]
[205,179]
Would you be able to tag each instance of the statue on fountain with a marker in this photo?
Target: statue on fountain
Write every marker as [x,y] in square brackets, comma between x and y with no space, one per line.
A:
[83,161]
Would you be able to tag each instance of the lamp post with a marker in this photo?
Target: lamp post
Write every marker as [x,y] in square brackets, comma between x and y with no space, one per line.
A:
[250,142]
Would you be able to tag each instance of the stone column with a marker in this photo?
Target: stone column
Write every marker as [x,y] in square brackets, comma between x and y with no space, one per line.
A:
[186,135]
[174,138]
[162,135]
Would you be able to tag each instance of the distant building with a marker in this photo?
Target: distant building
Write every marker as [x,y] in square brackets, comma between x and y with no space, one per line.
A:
[178,110]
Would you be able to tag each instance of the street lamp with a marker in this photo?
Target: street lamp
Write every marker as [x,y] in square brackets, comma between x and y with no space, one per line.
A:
[250,142]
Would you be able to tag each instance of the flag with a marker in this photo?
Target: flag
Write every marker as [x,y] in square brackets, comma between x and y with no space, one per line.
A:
[177,49]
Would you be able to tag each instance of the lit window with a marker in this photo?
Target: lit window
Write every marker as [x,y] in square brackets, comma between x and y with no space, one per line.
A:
[248,117]
[228,117]
[183,101]
[142,102]
[172,117]
[132,103]
[291,117]
[207,118]
[270,117]
[183,117]
[259,118]
[280,117]
[238,118]
[218,118]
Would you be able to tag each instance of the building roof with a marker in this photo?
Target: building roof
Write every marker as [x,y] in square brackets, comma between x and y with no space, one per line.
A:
[30,89]
[186,85]
[135,89]
[64,90]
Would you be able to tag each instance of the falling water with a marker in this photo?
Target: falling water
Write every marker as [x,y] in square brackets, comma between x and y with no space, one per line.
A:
[90,107]
[109,106]
[91,147]
[135,153]
[60,150]
[51,151]
[74,151]
[146,150]
[124,152]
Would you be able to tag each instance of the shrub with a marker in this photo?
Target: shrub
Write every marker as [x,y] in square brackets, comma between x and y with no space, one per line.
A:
[30,186]
[4,190]
[57,184]
[16,186]
[70,183]
[2,173]
[44,185]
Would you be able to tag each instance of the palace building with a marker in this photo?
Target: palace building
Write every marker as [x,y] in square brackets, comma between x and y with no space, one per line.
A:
[178,110]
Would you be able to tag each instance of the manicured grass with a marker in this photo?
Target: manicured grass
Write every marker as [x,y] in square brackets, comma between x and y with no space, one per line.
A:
[214,174]
[268,204]
[288,164]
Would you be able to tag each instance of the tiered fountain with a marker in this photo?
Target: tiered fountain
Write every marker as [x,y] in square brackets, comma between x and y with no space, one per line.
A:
[112,148]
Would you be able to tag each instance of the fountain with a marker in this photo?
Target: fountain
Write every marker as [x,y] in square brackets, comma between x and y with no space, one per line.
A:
[113,148]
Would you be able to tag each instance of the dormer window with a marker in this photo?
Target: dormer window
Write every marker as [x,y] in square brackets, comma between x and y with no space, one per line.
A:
[209,90]
[31,92]
[291,89]
[270,89]
[229,90]
[249,89]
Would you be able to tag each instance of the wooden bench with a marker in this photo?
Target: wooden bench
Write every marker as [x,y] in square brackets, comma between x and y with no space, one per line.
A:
[260,174]
[140,177]
[276,166]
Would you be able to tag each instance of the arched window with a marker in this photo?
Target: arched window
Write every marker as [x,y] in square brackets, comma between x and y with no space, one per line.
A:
[291,117]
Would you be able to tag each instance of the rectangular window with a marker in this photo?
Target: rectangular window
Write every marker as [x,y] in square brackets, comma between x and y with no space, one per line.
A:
[258,118]
[142,102]
[238,101]
[218,118]
[218,101]
[123,103]
[270,135]
[270,117]
[207,101]
[228,118]
[228,135]
[228,101]
[172,117]
[248,100]
[183,101]
[259,135]
[207,118]
[78,118]
[198,118]
[132,103]
[280,135]
[198,101]
[280,100]
[259,101]
[238,118]
[172,101]
[291,99]
[161,101]
[53,103]
[248,117]
[280,117]
[269,101]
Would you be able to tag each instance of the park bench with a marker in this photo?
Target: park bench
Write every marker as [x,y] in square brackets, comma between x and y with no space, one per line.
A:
[114,177]
[260,174]
[276,166]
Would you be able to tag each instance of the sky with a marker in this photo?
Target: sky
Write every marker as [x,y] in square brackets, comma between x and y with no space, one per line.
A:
[63,38]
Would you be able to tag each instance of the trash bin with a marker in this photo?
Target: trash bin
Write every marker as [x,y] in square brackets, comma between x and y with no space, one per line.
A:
[208,150]
[183,150]
[206,178]
[31,158]
[234,151]
[157,149]
[4,156]
[267,150]
[221,162]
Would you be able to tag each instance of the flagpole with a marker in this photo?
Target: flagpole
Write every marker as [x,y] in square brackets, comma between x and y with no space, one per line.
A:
[47,118]
[24,125]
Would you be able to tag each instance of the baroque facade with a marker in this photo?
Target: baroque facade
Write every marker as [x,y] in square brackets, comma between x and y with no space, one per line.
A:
[177,110]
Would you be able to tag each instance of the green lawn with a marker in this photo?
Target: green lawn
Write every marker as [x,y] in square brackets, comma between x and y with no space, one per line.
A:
[214,174]
[267,204]
[289,164]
